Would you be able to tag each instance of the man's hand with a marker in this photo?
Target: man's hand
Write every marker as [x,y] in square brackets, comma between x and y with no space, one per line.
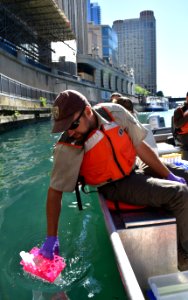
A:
[50,247]
[173,177]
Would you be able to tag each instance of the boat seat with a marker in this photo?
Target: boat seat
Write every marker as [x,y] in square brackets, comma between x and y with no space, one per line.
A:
[150,241]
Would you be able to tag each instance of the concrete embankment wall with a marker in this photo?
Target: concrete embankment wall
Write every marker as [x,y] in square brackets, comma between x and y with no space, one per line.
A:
[18,69]
[15,110]
[18,111]
[15,113]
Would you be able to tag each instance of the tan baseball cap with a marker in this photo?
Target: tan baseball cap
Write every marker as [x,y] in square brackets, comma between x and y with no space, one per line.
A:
[65,106]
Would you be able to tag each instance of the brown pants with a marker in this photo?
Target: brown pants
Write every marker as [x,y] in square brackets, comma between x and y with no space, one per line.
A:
[142,188]
[183,139]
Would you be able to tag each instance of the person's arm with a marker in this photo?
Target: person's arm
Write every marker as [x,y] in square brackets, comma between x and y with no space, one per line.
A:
[66,166]
[53,209]
[148,156]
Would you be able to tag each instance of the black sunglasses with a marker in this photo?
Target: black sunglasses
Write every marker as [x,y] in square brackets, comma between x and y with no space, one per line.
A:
[76,123]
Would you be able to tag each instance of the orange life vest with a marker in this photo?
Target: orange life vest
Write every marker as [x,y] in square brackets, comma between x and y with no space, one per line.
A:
[109,155]
[184,128]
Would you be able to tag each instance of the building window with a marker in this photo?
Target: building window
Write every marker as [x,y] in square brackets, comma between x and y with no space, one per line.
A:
[116,83]
[102,78]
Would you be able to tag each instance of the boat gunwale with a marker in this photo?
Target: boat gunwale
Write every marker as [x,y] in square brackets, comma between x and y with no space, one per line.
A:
[128,277]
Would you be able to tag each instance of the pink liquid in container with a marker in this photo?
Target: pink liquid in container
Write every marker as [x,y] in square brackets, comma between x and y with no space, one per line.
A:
[39,266]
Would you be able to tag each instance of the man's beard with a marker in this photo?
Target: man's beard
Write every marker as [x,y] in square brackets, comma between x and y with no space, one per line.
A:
[83,137]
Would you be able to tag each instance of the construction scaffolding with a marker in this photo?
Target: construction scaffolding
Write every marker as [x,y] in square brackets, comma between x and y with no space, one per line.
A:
[31,26]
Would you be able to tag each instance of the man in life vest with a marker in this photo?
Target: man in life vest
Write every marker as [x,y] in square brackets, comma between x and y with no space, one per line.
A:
[181,126]
[101,145]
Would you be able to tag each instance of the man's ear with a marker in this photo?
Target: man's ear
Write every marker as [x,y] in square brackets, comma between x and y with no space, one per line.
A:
[88,110]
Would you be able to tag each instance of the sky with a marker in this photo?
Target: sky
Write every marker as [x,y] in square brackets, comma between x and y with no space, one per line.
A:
[171,36]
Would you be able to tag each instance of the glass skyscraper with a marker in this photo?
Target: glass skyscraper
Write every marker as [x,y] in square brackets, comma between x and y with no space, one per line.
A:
[109,44]
[94,15]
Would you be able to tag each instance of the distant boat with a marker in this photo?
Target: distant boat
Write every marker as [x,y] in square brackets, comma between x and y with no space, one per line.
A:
[153,103]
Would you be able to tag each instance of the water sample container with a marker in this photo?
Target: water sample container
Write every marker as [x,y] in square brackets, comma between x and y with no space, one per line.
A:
[41,267]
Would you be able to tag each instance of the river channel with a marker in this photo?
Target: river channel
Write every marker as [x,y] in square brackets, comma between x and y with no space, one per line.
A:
[91,271]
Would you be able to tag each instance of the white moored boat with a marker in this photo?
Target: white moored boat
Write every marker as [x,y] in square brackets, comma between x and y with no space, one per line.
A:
[153,103]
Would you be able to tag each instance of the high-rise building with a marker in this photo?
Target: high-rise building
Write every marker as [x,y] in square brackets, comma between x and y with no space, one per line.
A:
[88,11]
[95,13]
[109,45]
[137,48]
[95,40]
[76,12]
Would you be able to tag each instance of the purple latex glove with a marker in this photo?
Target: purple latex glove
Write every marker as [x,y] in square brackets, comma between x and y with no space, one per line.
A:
[50,247]
[173,177]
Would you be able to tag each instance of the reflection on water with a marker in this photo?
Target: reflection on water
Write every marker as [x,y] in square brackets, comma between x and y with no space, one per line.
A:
[91,272]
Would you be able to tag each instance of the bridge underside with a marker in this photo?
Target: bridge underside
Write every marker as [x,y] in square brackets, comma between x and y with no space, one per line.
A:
[32,25]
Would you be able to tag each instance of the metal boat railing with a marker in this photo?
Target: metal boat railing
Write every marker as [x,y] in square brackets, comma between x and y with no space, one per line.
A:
[128,277]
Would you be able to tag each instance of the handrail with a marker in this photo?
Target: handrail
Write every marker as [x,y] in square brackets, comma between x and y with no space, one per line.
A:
[17,89]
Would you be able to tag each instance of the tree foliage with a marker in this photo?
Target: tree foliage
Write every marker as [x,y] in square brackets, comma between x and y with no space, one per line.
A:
[160,94]
[141,91]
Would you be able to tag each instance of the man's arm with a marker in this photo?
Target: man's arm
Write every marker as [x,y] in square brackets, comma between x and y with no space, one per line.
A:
[53,209]
[148,156]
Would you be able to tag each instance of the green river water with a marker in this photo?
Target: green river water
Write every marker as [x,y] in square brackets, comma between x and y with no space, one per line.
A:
[91,272]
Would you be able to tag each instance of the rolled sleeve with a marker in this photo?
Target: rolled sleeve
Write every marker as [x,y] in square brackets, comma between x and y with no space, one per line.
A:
[66,167]
[134,128]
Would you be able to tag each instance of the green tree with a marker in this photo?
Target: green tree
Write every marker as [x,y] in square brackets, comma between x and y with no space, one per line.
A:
[43,101]
[141,91]
[160,94]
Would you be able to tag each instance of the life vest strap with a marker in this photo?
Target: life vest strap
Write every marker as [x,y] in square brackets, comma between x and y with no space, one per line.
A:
[81,182]
[78,196]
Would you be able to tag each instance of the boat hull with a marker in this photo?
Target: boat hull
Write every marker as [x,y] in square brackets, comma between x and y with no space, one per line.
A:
[155,109]
[141,250]
[152,103]
[149,108]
